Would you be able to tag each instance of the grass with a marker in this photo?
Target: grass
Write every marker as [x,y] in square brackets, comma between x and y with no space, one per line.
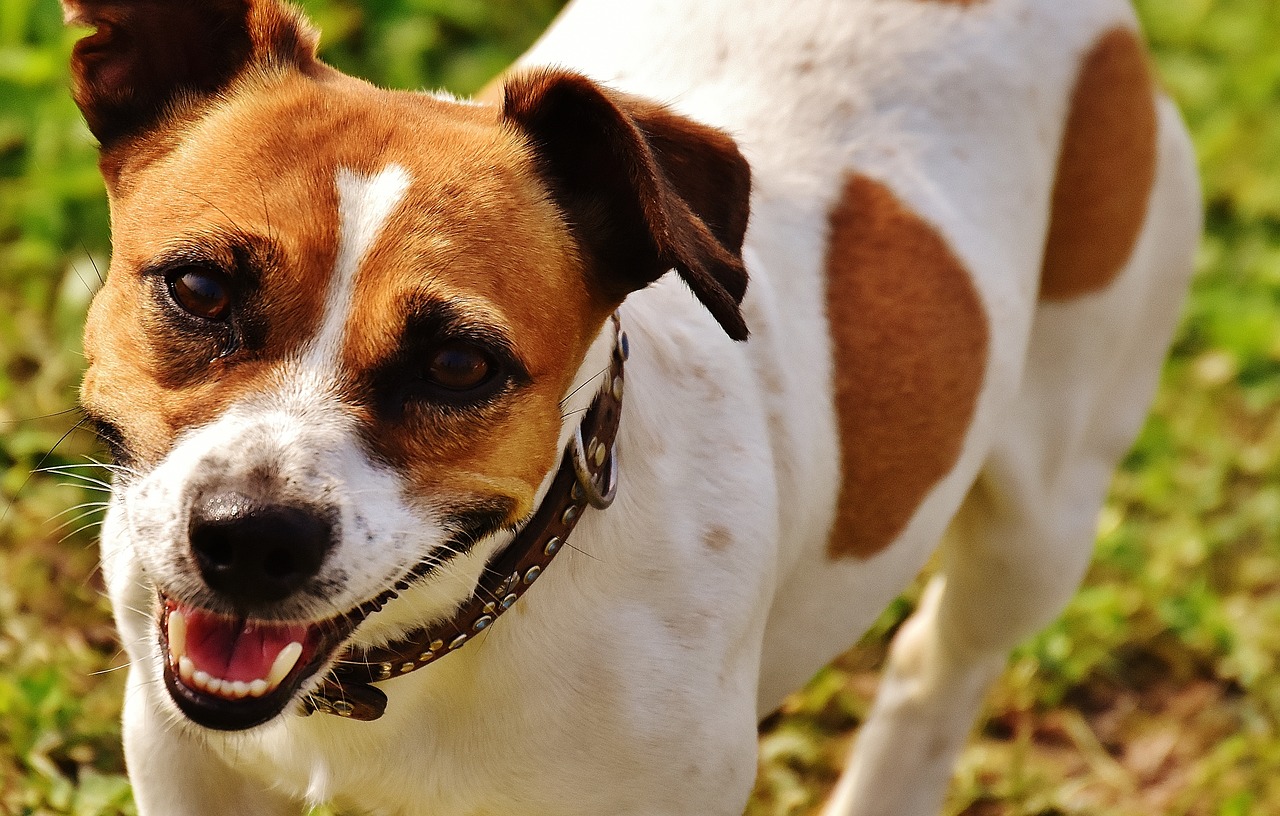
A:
[1158,691]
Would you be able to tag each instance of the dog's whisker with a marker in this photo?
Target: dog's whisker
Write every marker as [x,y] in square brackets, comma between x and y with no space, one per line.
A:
[81,517]
[113,467]
[584,384]
[266,211]
[22,420]
[83,486]
[79,530]
[96,271]
[75,270]
[39,465]
[61,471]
[91,464]
[578,549]
[230,221]
[70,467]
[81,505]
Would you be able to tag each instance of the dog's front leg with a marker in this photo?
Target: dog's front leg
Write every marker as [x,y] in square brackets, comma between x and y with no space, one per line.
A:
[175,773]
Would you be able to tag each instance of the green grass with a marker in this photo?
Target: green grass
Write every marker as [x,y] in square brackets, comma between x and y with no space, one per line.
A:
[1158,691]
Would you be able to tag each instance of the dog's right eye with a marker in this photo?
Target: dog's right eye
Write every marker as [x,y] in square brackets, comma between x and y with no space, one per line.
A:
[459,367]
[201,291]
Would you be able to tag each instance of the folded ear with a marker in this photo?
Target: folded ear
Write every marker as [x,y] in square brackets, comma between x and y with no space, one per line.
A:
[644,189]
[150,57]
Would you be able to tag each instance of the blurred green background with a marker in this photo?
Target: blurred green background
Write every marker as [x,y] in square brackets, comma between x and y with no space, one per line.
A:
[1156,693]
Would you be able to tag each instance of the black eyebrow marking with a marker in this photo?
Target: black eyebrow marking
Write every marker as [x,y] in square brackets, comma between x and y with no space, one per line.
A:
[243,256]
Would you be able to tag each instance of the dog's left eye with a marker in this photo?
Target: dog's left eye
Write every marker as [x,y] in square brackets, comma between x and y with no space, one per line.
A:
[202,292]
[459,367]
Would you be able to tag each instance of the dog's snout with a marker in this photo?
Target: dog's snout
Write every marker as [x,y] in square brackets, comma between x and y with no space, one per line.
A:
[257,552]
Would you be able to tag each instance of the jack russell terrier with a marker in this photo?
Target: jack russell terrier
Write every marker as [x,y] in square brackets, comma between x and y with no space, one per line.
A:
[361,354]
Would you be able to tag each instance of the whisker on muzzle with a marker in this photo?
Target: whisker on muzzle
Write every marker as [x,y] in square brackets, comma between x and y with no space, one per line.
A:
[39,466]
[66,470]
[583,385]
[78,530]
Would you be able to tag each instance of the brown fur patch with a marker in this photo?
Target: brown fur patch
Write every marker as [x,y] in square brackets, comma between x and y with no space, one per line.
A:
[1105,171]
[909,337]
[718,539]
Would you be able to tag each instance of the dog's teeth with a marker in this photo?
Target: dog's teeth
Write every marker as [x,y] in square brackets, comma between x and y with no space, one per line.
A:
[229,689]
[284,663]
[177,635]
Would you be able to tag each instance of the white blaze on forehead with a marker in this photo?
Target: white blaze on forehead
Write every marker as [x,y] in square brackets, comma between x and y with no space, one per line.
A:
[364,205]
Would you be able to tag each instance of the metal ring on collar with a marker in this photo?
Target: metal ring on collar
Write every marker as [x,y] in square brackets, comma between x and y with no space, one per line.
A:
[598,496]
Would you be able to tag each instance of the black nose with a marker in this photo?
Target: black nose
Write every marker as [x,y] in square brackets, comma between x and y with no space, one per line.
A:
[254,552]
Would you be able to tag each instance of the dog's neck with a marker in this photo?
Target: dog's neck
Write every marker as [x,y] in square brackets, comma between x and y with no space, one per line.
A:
[587,476]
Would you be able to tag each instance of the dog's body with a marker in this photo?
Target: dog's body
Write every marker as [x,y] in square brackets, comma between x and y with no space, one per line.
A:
[990,203]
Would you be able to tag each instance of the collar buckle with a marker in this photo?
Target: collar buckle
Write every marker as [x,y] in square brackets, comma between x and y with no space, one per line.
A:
[596,469]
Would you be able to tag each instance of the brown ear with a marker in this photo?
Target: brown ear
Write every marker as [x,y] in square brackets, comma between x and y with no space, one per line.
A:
[644,189]
[147,57]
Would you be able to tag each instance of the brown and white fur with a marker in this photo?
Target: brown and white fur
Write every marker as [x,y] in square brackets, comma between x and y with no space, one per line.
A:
[971,227]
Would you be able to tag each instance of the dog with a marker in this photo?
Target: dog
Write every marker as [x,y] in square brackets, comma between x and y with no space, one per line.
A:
[518,455]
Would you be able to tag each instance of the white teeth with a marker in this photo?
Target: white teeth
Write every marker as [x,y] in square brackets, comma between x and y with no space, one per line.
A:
[284,663]
[230,689]
[177,635]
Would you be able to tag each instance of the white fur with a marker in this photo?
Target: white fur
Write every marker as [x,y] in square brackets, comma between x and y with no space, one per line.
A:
[632,679]
[364,205]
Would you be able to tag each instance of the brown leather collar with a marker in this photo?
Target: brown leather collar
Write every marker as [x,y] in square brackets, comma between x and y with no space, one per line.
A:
[588,474]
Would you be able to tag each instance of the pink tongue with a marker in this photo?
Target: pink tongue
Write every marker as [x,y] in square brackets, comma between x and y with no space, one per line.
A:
[236,649]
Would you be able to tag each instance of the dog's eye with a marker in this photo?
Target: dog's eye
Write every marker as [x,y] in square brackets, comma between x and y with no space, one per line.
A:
[457,366]
[200,291]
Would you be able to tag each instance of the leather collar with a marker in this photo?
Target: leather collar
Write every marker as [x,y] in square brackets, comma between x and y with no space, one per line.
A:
[588,475]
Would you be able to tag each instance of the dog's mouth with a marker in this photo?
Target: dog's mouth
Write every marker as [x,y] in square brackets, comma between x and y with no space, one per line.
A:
[231,673]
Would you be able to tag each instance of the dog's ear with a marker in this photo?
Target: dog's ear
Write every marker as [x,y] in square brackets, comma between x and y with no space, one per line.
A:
[644,189]
[149,58]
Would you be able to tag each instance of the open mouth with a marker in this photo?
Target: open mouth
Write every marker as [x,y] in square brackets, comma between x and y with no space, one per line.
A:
[231,673]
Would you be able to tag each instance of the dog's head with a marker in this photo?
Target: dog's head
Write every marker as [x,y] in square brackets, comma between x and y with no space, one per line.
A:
[340,324]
